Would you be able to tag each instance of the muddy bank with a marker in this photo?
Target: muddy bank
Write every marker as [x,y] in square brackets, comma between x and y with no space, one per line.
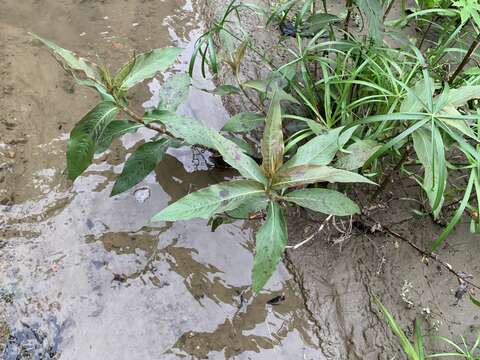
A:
[340,272]
[86,276]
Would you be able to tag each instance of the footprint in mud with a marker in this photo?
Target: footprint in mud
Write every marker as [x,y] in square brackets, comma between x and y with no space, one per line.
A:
[34,341]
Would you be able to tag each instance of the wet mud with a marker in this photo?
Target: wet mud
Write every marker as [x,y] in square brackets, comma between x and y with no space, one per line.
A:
[87,276]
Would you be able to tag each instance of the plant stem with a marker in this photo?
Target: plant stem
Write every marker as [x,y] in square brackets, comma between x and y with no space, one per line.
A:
[466,58]
[427,254]
[349,6]
[389,8]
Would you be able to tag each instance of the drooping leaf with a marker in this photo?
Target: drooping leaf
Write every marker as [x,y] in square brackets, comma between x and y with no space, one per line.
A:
[429,158]
[459,97]
[319,151]
[323,200]
[457,124]
[244,122]
[72,60]
[223,90]
[115,129]
[215,199]
[373,12]
[183,127]
[318,22]
[142,162]
[85,136]
[359,153]
[272,141]
[234,156]
[309,174]
[271,240]
[174,92]
[146,65]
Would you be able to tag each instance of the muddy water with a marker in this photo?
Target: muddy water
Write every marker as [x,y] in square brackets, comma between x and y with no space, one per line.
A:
[86,276]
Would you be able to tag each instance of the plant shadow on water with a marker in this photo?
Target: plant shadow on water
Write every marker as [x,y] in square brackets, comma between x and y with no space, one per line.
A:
[86,276]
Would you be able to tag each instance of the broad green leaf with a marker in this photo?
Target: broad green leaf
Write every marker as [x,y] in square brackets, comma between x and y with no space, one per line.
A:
[72,60]
[318,22]
[244,122]
[234,156]
[259,85]
[205,203]
[373,12]
[250,205]
[272,141]
[142,162]
[459,97]
[309,174]
[223,90]
[460,125]
[428,157]
[174,92]
[416,100]
[242,144]
[115,129]
[85,136]
[146,65]
[319,151]
[271,240]
[323,200]
[359,153]
[102,91]
[182,127]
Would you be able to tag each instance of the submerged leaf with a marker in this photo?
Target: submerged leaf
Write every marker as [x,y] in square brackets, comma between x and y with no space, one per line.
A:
[272,141]
[323,200]
[174,92]
[142,162]
[244,122]
[205,203]
[146,65]
[85,137]
[271,240]
[310,174]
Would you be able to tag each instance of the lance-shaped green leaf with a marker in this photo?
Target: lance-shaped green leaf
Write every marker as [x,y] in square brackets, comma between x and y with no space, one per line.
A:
[249,205]
[183,127]
[321,149]
[101,89]
[72,60]
[272,142]
[359,153]
[373,11]
[85,136]
[310,174]
[145,66]
[325,201]
[429,156]
[318,22]
[205,203]
[233,155]
[223,90]
[244,122]
[174,92]
[115,129]
[142,162]
[459,97]
[271,240]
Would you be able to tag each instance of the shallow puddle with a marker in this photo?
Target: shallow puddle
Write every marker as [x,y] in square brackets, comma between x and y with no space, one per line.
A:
[87,276]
